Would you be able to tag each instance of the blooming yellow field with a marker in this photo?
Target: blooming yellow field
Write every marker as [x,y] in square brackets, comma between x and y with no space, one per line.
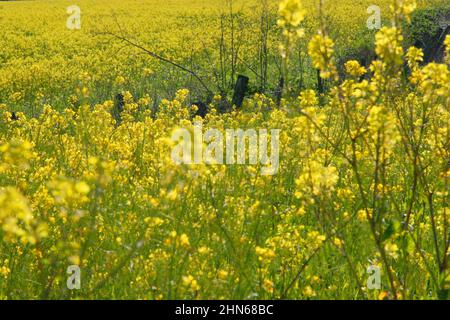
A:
[358,208]
[42,61]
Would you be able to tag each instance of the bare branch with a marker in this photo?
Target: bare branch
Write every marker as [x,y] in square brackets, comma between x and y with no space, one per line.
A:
[158,57]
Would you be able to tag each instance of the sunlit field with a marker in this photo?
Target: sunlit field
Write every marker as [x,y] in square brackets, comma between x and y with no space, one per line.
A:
[43,62]
[94,205]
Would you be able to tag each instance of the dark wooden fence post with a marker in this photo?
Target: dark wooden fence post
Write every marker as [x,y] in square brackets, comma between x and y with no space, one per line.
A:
[279,91]
[319,82]
[202,108]
[119,105]
[239,90]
